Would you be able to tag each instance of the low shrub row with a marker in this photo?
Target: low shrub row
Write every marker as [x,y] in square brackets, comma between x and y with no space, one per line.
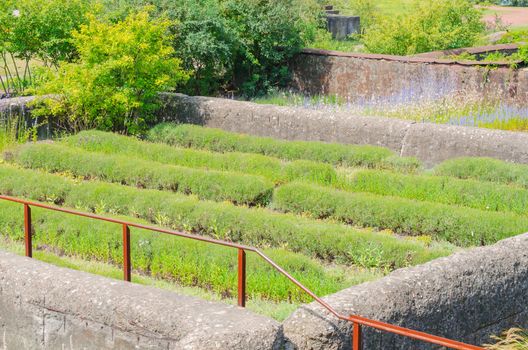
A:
[214,185]
[272,168]
[256,226]
[485,169]
[440,189]
[222,141]
[187,262]
[458,225]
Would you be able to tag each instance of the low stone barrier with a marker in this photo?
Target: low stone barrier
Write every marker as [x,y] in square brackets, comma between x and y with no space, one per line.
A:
[431,143]
[47,307]
[467,296]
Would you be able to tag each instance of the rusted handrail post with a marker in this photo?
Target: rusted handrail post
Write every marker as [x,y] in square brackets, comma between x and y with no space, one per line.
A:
[241,278]
[126,253]
[356,336]
[27,231]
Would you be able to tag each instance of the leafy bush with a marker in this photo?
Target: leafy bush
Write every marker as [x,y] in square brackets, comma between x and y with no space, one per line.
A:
[115,82]
[271,168]
[256,226]
[460,226]
[35,29]
[484,169]
[223,141]
[447,190]
[433,25]
[235,45]
[219,186]
[187,262]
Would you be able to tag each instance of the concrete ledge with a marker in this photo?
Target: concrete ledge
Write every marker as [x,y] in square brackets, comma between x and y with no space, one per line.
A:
[288,123]
[431,143]
[434,143]
[47,307]
[467,296]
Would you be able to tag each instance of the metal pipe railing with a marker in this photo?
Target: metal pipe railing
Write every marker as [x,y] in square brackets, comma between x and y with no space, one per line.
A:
[357,321]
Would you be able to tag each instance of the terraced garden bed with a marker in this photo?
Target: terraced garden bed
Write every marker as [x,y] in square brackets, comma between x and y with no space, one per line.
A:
[333,215]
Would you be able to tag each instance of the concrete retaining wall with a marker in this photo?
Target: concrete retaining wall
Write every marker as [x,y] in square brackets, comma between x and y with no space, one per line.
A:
[47,307]
[431,143]
[467,296]
[367,78]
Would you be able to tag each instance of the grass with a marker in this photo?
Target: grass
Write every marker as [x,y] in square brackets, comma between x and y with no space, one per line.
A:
[331,242]
[460,226]
[206,184]
[429,106]
[222,141]
[439,189]
[485,169]
[512,339]
[186,262]
[271,168]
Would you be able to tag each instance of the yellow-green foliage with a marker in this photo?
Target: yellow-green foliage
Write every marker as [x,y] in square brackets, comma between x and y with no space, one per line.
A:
[458,225]
[272,168]
[222,141]
[439,189]
[485,169]
[432,25]
[261,227]
[114,84]
[206,184]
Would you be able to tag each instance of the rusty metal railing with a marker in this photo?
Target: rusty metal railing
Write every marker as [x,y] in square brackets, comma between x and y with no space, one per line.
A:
[358,322]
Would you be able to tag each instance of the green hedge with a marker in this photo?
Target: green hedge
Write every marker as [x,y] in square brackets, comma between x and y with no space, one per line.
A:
[458,225]
[440,189]
[214,185]
[272,168]
[187,262]
[256,226]
[223,141]
[485,169]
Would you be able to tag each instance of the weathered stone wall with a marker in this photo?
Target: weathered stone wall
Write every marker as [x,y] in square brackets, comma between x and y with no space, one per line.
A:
[467,296]
[431,143]
[367,78]
[16,109]
[47,307]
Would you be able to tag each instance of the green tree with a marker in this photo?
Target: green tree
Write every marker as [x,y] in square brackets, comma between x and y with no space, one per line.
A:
[114,84]
[41,28]
[233,45]
[433,25]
